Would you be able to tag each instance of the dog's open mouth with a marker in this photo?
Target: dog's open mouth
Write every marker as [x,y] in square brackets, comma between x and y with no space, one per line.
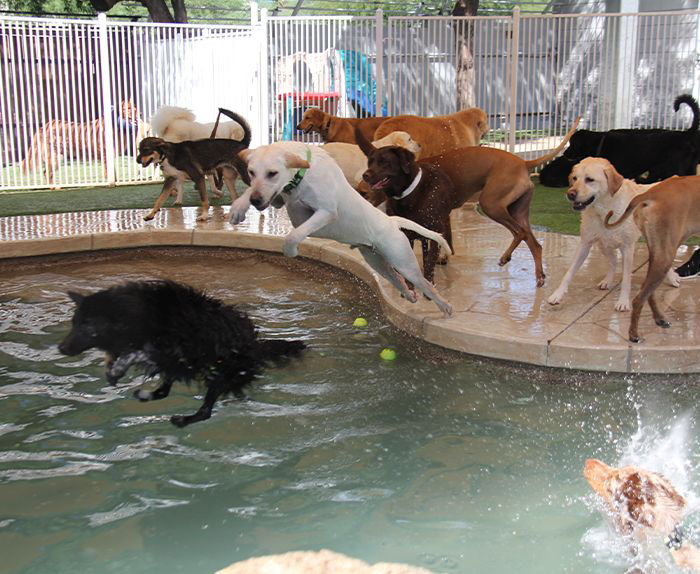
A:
[581,205]
[381,184]
[144,161]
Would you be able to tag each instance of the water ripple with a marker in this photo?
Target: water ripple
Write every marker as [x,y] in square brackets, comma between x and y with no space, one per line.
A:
[127,510]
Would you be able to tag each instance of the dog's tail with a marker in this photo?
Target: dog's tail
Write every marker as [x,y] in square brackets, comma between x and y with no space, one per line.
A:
[166,115]
[641,198]
[533,163]
[272,349]
[404,223]
[693,104]
[245,142]
[687,556]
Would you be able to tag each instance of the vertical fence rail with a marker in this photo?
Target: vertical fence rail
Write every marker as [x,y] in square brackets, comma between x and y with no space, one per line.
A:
[63,88]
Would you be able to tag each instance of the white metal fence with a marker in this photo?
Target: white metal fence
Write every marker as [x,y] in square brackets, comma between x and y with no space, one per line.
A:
[75,96]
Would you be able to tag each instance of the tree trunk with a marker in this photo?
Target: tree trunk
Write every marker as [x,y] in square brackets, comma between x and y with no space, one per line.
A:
[180,11]
[158,11]
[464,32]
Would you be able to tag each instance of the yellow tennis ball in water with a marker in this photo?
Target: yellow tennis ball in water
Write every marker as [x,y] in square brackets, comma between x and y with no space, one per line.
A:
[388,354]
[360,322]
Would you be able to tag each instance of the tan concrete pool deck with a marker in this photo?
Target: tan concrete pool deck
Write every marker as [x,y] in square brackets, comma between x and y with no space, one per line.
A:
[499,312]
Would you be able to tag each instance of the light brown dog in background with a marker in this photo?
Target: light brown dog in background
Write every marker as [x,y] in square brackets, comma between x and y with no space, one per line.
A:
[439,133]
[642,502]
[667,214]
[336,129]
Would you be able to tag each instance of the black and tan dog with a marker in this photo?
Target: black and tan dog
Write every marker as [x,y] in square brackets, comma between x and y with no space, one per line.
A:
[193,160]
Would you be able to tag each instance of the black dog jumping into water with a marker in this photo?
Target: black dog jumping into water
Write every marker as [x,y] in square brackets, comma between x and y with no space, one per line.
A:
[176,331]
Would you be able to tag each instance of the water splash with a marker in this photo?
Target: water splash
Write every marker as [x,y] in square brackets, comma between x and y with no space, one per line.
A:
[662,448]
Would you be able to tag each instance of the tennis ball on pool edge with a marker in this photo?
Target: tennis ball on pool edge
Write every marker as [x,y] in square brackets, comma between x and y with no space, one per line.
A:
[360,322]
[388,354]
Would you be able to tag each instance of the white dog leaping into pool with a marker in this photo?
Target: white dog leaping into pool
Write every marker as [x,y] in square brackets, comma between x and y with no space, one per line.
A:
[321,203]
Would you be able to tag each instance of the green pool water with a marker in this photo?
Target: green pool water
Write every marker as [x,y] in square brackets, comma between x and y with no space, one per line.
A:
[437,459]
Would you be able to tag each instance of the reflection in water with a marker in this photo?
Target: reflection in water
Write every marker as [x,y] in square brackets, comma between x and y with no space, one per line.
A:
[441,460]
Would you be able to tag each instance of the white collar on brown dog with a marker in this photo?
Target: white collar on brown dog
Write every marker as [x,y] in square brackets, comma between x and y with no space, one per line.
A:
[414,184]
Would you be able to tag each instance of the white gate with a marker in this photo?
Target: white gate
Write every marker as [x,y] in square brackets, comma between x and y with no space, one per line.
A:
[76,96]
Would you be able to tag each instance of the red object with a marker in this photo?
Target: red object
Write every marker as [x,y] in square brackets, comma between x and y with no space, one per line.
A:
[327,101]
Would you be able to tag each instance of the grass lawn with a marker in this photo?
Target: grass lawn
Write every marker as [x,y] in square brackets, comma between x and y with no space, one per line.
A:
[549,211]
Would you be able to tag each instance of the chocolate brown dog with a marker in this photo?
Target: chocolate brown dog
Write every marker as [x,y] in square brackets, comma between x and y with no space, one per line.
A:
[502,178]
[193,160]
[421,193]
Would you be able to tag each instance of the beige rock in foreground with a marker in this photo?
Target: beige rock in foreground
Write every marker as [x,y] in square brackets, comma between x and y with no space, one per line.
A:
[322,562]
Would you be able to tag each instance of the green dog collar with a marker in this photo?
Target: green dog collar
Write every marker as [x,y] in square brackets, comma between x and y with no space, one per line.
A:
[298,176]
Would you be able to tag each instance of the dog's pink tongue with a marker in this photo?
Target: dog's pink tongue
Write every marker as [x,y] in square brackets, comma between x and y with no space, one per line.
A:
[380,184]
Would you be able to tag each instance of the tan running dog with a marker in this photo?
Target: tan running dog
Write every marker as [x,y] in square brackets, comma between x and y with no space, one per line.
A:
[506,189]
[321,203]
[596,188]
[667,214]
[335,129]
[642,502]
[439,134]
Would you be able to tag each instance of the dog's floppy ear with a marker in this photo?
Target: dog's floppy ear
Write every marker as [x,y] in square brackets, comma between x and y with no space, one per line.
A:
[244,154]
[76,297]
[293,161]
[366,146]
[614,179]
[406,158]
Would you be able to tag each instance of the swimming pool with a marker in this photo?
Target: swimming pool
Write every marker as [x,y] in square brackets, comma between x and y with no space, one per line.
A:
[438,459]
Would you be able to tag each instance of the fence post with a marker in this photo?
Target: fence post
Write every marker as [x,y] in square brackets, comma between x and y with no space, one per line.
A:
[264,78]
[514,48]
[379,66]
[107,123]
[626,60]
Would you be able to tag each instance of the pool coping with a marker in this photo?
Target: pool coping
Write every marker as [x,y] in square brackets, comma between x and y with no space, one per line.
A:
[561,349]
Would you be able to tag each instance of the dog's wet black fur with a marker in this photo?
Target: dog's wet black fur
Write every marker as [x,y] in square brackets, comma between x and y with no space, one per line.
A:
[176,331]
[645,155]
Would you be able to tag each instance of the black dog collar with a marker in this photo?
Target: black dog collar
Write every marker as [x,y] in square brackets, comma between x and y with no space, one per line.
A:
[298,176]
[675,540]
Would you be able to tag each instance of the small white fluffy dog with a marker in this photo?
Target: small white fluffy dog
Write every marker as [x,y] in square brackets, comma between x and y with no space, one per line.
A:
[596,188]
[321,203]
[176,125]
[353,162]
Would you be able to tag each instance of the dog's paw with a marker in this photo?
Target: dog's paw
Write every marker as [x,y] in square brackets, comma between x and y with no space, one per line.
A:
[623,305]
[555,298]
[148,217]
[674,280]
[179,421]
[217,193]
[203,217]
[237,213]
[143,395]
[290,248]
[604,285]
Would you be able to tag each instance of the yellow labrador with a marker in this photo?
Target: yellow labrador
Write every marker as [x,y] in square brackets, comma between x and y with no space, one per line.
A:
[596,189]
[321,203]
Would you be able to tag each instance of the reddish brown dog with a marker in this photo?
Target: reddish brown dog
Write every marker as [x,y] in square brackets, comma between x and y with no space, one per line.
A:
[336,129]
[420,193]
[502,178]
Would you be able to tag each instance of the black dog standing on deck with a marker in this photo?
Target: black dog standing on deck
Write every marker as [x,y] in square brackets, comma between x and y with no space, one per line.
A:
[174,330]
[645,155]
